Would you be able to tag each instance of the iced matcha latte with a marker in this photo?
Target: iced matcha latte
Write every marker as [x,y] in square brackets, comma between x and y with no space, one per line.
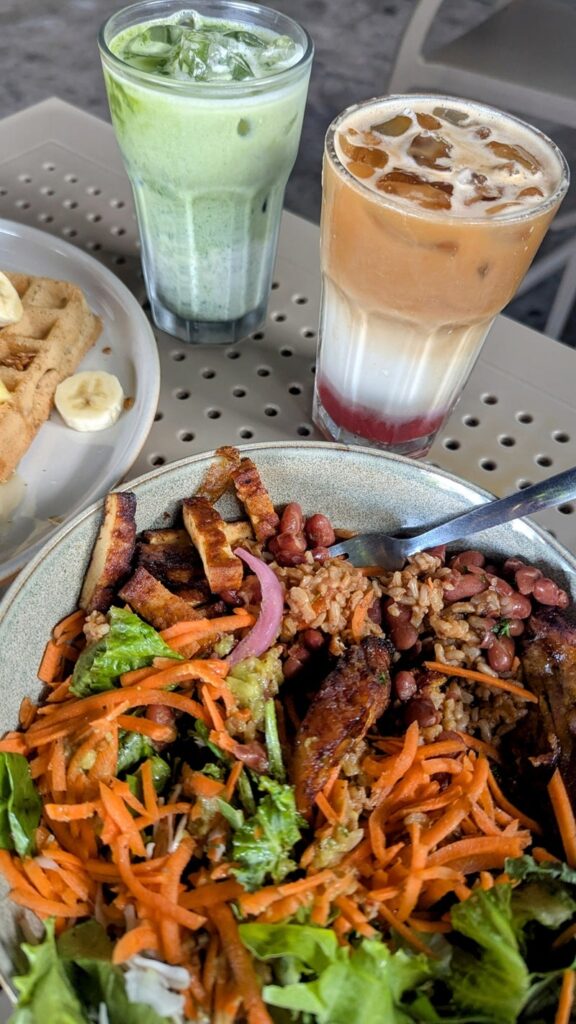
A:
[207,104]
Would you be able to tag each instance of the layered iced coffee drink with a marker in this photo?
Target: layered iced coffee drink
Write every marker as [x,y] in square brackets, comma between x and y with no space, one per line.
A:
[433,209]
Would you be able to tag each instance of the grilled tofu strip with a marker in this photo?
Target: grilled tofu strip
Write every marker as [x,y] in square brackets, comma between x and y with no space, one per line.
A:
[206,527]
[218,476]
[171,536]
[112,552]
[150,599]
[173,564]
[236,530]
[256,500]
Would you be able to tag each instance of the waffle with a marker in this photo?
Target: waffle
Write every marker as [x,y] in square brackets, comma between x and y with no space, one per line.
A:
[45,346]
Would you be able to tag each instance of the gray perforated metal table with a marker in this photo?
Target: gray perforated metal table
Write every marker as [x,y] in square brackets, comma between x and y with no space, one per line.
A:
[60,170]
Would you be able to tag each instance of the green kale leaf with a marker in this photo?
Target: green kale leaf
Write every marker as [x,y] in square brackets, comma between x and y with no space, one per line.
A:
[262,844]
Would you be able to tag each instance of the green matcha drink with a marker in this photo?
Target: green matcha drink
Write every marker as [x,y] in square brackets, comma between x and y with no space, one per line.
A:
[207,104]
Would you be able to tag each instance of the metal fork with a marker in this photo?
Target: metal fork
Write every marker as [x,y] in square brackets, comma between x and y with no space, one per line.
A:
[391,552]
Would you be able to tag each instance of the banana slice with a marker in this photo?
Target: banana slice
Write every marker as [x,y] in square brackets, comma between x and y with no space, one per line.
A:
[11,309]
[90,400]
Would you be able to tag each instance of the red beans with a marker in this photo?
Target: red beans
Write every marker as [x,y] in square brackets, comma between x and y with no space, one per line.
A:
[288,548]
[404,635]
[526,578]
[468,558]
[421,710]
[318,529]
[160,713]
[516,627]
[501,654]
[546,591]
[515,606]
[313,639]
[438,552]
[460,587]
[375,613]
[403,615]
[405,685]
[320,554]
[291,520]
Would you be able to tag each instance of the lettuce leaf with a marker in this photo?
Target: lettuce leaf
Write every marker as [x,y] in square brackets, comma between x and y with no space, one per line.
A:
[129,643]
[527,869]
[20,805]
[46,995]
[494,978]
[261,845]
[366,984]
[67,981]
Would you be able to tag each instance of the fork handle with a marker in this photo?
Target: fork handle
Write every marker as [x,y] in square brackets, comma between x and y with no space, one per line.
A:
[556,489]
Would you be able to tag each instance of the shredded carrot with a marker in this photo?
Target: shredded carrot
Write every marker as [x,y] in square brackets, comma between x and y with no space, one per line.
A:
[148,789]
[564,936]
[169,928]
[70,627]
[510,809]
[232,781]
[70,812]
[481,746]
[354,916]
[13,743]
[51,664]
[402,761]
[481,853]
[564,816]
[359,616]
[135,675]
[155,901]
[135,941]
[48,908]
[327,810]
[203,785]
[240,964]
[153,730]
[541,855]
[402,928]
[213,710]
[566,1001]
[211,893]
[198,629]
[482,677]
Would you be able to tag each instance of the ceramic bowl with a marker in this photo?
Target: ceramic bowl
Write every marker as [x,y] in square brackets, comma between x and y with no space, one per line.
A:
[358,488]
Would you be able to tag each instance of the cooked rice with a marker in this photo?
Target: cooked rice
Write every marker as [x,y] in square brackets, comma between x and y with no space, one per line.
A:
[324,597]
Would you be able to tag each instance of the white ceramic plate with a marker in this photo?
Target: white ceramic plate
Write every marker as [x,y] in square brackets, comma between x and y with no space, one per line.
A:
[63,471]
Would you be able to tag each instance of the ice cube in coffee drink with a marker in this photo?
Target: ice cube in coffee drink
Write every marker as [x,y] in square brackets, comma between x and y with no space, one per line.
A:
[422,200]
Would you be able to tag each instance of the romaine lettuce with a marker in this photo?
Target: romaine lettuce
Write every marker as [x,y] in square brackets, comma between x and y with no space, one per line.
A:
[20,805]
[129,643]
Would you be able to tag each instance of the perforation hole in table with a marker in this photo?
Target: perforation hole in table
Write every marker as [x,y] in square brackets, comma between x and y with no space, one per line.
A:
[505,433]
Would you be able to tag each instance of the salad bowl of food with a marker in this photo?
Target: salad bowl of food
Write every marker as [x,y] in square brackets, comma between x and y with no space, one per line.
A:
[243,780]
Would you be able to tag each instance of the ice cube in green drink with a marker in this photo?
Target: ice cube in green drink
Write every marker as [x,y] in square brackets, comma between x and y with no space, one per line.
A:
[208,50]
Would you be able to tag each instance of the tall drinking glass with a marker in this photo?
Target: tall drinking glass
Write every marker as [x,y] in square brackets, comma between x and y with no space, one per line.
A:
[433,209]
[207,105]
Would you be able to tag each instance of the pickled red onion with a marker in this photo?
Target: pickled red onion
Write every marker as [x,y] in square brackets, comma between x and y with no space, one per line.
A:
[267,625]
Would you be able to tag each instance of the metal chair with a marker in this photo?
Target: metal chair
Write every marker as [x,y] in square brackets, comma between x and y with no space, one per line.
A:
[520,58]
